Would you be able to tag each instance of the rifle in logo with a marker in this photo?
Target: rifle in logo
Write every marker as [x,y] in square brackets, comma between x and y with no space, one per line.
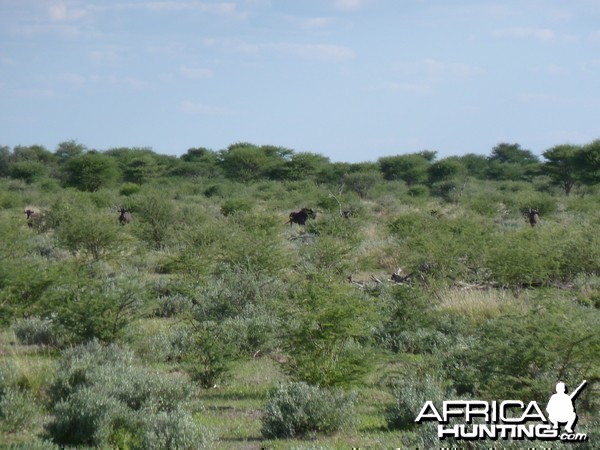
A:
[560,406]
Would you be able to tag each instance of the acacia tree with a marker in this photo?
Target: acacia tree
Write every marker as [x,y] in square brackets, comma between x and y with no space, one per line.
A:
[562,166]
[327,342]
[411,168]
[246,162]
[91,171]
[588,162]
[511,162]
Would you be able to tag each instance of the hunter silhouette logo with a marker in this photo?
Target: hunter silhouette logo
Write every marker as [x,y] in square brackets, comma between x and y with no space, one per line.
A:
[507,419]
[560,407]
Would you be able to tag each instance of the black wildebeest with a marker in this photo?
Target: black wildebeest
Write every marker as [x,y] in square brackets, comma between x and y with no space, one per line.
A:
[302,216]
[125,216]
[534,216]
[30,213]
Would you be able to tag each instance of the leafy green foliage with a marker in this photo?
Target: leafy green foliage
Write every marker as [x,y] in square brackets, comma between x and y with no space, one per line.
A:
[298,409]
[208,356]
[158,216]
[35,331]
[18,409]
[410,395]
[93,234]
[478,296]
[327,342]
[91,171]
[412,168]
[102,397]
[522,355]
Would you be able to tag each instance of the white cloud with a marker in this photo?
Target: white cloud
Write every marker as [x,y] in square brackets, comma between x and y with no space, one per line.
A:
[36,93]
[105,57]
[557,69]
[189,107]
[61,11]
[594,36]
[350,5]
[6,61]
[228,8]
[438,71]
[317,22]
[407,88]
[195,72]
[539,34]
[322,52]
[73,79]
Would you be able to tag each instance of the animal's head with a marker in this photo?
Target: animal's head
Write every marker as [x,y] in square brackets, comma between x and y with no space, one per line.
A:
[124,216]
[533,216]
[309,212]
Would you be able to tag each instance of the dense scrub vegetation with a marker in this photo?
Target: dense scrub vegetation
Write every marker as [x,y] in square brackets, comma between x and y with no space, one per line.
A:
[210,320]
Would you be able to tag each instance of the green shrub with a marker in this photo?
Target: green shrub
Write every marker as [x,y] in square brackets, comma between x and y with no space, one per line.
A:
[298,409]
[464,239]
[35,331]
[128,189]
[176,430]
[236,205]
[86,417]
[254,331]
[115,373]
[18,410]
[208,358]
[173,305]
[9,376]
[524,257]
[85,308]
[158,217]
[418,191]
[327,333]
[91,233]
[101,394]
[522,354]
[410,395]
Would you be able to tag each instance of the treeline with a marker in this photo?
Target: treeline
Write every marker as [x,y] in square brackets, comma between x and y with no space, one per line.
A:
[74,165]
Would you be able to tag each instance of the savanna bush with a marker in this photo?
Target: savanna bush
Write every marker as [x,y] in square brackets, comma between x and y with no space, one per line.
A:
[173,305]
[299,409]
[92,233]
[236,205]
[327,254]
[524,256]
[451,248]
[327,337]
[522,354]
[128,189]
[102,396]
[85,308]
[232,289]
[410,395]
[208,357]
[35,331]
[86,417]
[410,321]
[158,216]
[332,225]
[175,430]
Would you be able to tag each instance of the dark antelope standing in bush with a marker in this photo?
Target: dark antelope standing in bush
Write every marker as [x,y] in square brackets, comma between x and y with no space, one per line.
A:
[302,216]
[534,217]
[31,214]
[125,216]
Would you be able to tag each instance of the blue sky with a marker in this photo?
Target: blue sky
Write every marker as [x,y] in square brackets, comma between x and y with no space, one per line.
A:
[353,80]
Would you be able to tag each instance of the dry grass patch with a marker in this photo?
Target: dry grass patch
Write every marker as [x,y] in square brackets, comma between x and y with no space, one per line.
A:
[478,304]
